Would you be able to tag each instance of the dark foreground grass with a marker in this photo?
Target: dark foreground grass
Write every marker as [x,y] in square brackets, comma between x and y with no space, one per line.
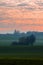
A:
[21,55]
[21,62]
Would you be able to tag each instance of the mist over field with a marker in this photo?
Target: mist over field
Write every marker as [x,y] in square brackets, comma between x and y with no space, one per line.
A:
[7,39]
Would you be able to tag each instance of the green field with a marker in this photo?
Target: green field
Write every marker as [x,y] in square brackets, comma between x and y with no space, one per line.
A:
[21,51]
[21,54]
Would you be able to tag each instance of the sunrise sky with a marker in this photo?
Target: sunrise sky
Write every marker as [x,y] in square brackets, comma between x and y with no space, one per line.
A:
[22,15]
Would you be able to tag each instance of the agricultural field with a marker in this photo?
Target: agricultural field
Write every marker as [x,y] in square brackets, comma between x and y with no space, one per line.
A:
[20,55]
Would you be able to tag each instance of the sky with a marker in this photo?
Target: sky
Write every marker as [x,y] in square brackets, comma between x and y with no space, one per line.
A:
[22,15]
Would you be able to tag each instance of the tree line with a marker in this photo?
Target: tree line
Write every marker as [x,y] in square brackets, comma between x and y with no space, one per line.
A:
[27,40]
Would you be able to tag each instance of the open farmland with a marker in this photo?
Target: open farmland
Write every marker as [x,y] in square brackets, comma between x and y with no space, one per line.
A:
[24,54]
[20,55]
[22,51]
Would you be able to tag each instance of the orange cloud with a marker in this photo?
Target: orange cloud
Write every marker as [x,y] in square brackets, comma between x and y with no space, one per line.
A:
[21,19]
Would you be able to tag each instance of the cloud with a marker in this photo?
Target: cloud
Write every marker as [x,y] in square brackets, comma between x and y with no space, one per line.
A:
[30,8]
[20,15]
[30,25]
[22,4]
[6,18]
[3,4]
[40,3]
[9,24]
[28,5]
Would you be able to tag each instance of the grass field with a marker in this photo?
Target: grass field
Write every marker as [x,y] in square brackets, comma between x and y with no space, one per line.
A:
[21,52]
[21,55]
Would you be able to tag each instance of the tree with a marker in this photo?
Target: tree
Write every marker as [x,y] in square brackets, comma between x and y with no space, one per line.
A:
[32,39]
[22,41]
[14,43]
[27,40]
